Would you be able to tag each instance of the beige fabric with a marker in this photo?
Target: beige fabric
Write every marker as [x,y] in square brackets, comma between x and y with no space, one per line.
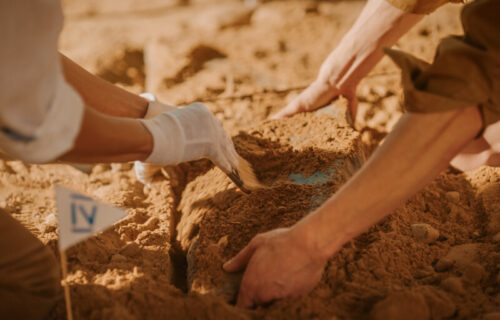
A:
[29,273]
[419,6]
[40,114]
[465,72]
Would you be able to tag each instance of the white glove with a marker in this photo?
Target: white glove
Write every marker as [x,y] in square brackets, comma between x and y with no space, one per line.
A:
[146,171]
[191,133]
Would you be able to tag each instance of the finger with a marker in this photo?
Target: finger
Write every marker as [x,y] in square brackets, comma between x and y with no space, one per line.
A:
[246,293]
[292,108]
[315,96]
[240,261]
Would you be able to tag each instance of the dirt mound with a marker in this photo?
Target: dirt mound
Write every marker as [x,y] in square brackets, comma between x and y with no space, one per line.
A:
[298,176]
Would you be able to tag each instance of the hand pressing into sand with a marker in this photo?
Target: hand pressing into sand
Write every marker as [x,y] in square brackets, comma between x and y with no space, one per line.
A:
[320,93]
[278,265]
[379,25]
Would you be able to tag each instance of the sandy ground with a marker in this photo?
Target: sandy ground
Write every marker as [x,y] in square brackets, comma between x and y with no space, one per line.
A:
[437,257]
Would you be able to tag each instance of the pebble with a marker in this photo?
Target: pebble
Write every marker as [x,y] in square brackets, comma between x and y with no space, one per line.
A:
[473,273]
[453,285]
[464,254]
[223,241]
[118,258]
[49,223]
[444,264]
[51,219]
[453,196]
[131,250]
[424,232]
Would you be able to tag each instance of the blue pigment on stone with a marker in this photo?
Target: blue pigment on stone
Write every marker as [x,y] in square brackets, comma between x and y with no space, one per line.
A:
[318,177]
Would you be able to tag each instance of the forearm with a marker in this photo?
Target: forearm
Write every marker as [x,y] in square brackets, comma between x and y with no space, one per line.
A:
[104,138]
[420,146]
[379,25]
[101,95]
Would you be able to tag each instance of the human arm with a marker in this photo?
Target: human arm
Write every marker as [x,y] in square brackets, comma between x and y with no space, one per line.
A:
[289,262]
[379,25]
[103,138]
[102,95]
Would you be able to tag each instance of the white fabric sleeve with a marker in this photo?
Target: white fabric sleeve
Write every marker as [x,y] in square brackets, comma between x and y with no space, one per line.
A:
[40,114]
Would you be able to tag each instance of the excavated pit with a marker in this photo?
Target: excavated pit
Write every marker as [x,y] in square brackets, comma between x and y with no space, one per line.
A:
[301,162]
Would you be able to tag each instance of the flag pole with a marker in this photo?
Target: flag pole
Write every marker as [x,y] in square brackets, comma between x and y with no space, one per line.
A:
[67,296]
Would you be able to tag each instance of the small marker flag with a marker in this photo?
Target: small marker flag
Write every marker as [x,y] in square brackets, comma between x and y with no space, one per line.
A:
[81,217]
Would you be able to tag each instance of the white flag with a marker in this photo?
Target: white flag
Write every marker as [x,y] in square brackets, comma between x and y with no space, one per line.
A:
[81,217]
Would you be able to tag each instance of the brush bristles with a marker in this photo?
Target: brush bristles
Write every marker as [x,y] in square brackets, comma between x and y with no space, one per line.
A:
[247,174]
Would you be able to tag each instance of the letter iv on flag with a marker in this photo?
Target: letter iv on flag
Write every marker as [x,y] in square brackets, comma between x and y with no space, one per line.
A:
[79,218]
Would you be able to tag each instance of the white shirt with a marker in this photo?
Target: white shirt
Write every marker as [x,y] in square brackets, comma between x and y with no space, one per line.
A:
[40,114]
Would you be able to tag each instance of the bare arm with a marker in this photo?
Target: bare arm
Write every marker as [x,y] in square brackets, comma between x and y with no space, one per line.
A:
[104,138]
[101,95]
[419,147]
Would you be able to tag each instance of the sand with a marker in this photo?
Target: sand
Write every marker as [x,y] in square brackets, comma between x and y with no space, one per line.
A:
[436,257]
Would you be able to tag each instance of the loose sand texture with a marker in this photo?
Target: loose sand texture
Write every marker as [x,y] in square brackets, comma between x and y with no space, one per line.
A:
[436,257]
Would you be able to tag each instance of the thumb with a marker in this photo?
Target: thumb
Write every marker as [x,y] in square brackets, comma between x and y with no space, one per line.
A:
[240,261]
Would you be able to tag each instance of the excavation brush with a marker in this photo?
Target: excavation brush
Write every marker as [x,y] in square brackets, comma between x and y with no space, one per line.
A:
[244,177]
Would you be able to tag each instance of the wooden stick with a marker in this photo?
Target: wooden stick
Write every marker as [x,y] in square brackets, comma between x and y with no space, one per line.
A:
[67,296]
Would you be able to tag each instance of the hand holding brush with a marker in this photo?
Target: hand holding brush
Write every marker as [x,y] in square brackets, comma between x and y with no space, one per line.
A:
[191,133]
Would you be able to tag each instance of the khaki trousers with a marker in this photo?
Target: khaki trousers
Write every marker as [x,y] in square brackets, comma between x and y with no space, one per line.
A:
[29,273]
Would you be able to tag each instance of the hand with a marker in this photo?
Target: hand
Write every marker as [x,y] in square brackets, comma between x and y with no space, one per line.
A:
[190,133]
[317,95]
[278,265]
[379,25]
[145,172]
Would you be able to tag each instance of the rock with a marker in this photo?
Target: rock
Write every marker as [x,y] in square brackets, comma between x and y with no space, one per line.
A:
[444,264]
[51,219]
[491,316]
[463,255]
[401,305]
[118,258]
[131,250]
[49,223]
[453,196]
[424,232]
[473,273]
[453,285]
